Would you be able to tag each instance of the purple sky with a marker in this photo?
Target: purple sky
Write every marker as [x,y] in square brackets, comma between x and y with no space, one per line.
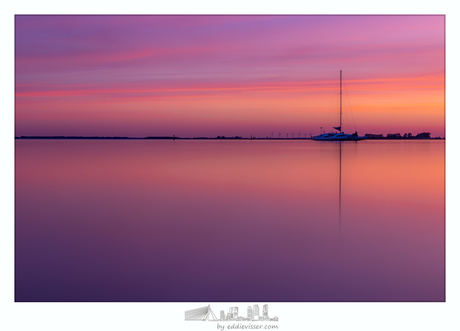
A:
[227,75]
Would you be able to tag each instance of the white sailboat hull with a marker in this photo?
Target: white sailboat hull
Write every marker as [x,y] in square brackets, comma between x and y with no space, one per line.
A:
[338,137]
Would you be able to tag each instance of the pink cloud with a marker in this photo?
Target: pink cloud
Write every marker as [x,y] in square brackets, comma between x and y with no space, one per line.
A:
[187,65]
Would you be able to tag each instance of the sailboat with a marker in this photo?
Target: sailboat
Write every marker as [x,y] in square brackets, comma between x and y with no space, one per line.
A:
[339,136]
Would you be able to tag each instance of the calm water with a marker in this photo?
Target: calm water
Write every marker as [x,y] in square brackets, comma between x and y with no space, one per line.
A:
[260,221]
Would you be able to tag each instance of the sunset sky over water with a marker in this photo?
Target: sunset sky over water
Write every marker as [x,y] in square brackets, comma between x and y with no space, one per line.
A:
[228,75]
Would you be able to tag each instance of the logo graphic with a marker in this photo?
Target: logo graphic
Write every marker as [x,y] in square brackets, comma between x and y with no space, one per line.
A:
[206,314]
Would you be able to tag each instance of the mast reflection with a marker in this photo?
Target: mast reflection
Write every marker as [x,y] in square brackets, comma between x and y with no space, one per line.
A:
[340,189]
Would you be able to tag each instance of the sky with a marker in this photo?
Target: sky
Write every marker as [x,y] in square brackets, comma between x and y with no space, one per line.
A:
[262,75]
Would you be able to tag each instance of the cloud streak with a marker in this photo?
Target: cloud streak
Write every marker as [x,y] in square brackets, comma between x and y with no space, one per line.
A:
[243,60]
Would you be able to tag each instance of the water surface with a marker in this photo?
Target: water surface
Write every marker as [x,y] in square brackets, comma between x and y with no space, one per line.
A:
[210,220]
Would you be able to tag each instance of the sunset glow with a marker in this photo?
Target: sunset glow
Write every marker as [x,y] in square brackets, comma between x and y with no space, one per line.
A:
[228,75]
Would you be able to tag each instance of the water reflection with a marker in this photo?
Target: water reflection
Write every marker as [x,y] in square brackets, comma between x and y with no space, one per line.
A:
[340,188]
[229,221]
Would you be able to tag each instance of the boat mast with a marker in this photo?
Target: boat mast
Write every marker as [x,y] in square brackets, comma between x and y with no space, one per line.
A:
[340,101]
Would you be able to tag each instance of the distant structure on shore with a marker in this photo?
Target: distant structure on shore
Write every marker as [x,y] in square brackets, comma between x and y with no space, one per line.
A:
[423,135]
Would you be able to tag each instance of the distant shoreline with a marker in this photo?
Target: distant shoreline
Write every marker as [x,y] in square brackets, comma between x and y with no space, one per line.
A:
[203,138]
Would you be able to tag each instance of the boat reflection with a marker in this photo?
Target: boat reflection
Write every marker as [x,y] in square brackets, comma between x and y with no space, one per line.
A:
[340,189]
